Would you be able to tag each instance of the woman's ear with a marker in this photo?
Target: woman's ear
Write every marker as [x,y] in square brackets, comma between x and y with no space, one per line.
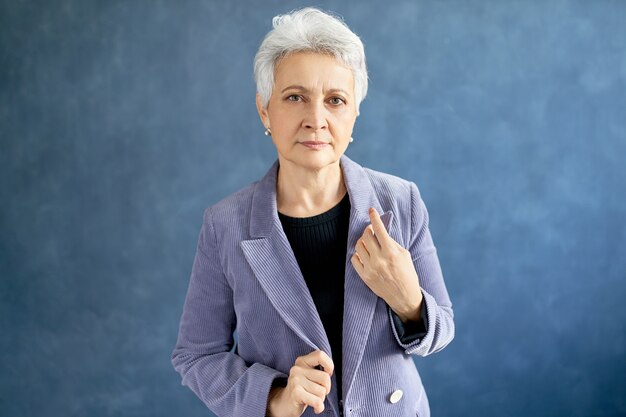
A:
[262,111]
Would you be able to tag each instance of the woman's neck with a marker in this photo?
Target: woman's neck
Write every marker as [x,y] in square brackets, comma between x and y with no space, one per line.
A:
[301,192]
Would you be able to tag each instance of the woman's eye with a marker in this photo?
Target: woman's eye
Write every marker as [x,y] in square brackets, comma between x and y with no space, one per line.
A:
[293,97]
[336,101]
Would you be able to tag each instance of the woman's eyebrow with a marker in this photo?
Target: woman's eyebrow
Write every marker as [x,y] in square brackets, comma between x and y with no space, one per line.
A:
[339,90]
[306,90]
[295,87]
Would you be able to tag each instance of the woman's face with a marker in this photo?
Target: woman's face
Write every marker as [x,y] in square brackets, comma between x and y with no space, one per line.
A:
[312,111]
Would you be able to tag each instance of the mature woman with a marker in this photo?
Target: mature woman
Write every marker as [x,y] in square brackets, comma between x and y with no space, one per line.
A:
[330,298]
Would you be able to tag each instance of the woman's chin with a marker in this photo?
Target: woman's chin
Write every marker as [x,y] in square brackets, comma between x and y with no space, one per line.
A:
[314,161]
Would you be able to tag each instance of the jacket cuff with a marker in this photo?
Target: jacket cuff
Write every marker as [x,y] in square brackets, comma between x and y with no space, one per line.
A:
[411,331]
[254,395]
[412,334]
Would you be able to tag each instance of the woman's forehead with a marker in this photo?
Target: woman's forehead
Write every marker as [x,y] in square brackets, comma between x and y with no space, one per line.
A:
[312,71]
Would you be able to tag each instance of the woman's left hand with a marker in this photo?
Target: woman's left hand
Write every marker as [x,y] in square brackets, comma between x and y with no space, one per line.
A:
[387,269]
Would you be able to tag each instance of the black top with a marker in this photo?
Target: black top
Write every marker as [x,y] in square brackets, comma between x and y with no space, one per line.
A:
[319,244]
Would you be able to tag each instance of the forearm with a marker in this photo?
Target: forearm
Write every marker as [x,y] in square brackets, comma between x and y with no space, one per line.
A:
[412,311]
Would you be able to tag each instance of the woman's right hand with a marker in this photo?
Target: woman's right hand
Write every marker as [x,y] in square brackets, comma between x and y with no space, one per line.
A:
[307,385]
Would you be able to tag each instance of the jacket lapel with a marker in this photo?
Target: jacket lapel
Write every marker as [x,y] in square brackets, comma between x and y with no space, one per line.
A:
[359,300]
[274,264]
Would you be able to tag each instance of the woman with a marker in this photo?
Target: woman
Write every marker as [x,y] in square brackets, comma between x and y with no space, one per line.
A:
[330,300]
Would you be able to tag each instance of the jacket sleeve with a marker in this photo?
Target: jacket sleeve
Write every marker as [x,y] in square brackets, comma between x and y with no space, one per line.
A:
[439,314]
[220,378]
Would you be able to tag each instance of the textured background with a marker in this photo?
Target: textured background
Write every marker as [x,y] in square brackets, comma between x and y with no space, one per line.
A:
[120,121]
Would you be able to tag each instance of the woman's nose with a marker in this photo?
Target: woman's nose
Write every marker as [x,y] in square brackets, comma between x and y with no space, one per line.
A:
[315,117]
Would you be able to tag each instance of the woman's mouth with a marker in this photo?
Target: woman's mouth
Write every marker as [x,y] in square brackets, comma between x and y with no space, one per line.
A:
[313,144]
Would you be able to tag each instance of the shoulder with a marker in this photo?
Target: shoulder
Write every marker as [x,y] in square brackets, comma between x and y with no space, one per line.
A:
[390,189]
[378,178]
[231,208]
[230,216]
[237,207]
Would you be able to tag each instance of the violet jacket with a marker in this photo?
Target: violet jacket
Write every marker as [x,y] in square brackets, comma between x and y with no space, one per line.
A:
[245,277]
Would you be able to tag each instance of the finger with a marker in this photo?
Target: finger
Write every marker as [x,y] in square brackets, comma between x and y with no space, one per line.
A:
[302,396]
[357,264]
[362,250]
[371,243]
[322,379]
[308,379]
[379,228]
[314,381]
[318,383]
[318,357]
[326,362]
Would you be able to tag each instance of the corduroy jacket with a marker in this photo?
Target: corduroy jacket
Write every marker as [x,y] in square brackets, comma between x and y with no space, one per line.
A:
[245,277]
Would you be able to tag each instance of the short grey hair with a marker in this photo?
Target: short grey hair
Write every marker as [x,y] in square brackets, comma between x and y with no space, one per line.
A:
[309,30]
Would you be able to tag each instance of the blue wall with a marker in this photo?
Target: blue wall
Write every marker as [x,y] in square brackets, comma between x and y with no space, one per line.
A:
[120,121]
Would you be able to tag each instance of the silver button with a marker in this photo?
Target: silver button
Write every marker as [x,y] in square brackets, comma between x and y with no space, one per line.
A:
[395,397]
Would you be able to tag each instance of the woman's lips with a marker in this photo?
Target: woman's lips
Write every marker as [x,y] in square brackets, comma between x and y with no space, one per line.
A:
[314,144]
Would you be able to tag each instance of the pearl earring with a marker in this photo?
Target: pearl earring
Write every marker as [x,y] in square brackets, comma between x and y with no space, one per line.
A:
[268,132]
[351,139]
